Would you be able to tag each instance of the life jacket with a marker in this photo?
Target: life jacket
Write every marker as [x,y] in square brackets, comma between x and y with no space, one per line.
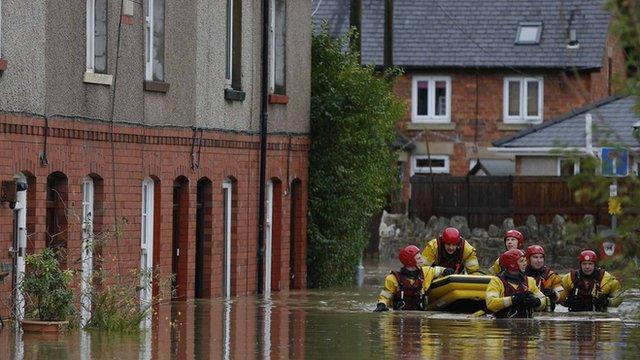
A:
[584,290]
[513,311]
[540,276]
[409,295]
[454,260]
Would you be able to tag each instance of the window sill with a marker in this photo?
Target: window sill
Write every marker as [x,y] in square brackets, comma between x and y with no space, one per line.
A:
[100,79]
[156,86]
[234,95]
[278,99]
[517,125]
[3,64]
[431,126]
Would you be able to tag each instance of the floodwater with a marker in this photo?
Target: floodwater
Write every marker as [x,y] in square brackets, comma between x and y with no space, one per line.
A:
[336,324]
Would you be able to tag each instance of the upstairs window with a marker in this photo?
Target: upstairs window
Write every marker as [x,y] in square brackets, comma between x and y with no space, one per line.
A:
[431,99]
[529,33]
[523,100]
[233,73]
[97,36]
[277,41]
[154,40]
[0,29]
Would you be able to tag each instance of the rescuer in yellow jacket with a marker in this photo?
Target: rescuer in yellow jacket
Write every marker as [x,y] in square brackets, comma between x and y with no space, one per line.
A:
[590,288]
[452,252]
[513,239]
[512,294]
[406,289]
[547,280]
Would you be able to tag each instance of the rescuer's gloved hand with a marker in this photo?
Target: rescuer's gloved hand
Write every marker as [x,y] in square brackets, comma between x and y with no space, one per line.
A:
[381,307]
[448,271]
[532,302]
[519,298]
[550,294]
[572,302]
[601,302]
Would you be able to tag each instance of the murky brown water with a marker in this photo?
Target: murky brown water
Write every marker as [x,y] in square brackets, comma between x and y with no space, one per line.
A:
[336,324]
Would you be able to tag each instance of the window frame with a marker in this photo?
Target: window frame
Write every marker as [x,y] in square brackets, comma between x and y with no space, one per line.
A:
[528,25]
[425,170]
[430,117]
[0,29]
[576,166]
[523,117]
[273,87]
[150,23]
[91,38]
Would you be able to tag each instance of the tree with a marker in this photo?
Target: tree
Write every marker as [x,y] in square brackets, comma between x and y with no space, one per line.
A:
[353,116]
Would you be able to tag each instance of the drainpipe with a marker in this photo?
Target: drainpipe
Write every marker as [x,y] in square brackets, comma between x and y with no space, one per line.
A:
[264,93]
[588,130]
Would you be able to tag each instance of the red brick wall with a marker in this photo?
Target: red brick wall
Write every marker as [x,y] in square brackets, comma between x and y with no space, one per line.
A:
[79,148]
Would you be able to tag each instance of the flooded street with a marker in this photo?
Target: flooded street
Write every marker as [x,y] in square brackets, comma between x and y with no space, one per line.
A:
[336,324]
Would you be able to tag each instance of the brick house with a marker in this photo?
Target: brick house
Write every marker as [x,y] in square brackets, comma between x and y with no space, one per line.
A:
[476,72]
[168,146]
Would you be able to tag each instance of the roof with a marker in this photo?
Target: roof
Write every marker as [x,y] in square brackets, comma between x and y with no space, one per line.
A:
[477,33]
[613,121]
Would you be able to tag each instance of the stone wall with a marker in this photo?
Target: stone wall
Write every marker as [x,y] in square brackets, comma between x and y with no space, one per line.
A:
[562,241]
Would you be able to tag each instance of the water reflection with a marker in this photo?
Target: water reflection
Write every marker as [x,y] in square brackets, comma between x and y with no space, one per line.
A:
[334,324]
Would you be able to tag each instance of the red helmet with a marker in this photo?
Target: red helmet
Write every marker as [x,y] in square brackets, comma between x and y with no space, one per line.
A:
[408,255]
[587,255]
[515,234]
[451,236]
[509,259]
[534,249]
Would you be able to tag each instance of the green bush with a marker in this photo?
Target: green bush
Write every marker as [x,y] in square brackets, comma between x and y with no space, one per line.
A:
[46,288]
[351,163]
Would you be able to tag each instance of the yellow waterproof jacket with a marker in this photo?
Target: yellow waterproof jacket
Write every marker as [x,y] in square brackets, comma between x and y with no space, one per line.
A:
[554,282]
[391,286]
[609,285]
[496,300]
[495,268]
[469,258]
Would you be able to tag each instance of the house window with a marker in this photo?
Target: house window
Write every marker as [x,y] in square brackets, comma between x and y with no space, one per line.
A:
[0,29]
[277,41]
[523,99]
[423,164]
[97,36]
[568,167]
[431,99]
[234,44]
[529,33]
[154,40]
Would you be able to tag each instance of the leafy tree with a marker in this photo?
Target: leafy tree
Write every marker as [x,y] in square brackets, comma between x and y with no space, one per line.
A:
[353,116]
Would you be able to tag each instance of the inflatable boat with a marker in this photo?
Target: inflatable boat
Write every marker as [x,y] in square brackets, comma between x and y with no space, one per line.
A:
[458,293]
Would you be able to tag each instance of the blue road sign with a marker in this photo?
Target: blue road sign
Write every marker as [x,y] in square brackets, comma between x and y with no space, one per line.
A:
[615,162]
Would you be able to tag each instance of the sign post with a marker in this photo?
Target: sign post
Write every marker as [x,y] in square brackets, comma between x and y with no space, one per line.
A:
[615,163]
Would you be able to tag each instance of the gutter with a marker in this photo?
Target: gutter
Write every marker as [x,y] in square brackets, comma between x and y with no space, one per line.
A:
[264,115]
[546,151]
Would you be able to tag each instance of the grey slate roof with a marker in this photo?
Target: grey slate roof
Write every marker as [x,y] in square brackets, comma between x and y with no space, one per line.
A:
[613,120]
[477,33]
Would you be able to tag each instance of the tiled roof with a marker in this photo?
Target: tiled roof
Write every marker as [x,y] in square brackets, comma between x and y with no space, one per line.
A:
[477,33]
[613,121]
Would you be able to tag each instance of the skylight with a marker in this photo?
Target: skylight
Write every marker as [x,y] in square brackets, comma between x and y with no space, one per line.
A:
[529,33]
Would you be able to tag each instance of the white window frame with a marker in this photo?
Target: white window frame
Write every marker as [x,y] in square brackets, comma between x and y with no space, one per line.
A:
[148,48]
[521,26]
[91,49]
[87,249]
[268,230]
[227,188]
[426,170]
[146,247]
[431,117]
[272,45]
[523,117]
[576,166]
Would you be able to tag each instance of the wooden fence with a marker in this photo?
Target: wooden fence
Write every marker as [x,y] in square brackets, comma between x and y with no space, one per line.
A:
[491,199]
